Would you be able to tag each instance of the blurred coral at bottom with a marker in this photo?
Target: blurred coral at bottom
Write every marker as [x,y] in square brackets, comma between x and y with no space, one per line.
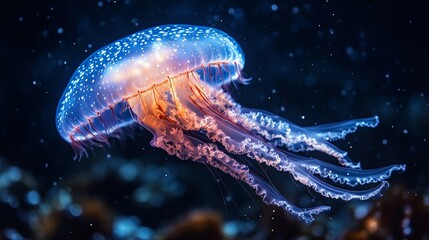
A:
[123,199]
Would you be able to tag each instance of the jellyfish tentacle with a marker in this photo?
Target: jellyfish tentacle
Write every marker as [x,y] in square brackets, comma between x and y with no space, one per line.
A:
[276,130]
[351,177]
[327,131]
[302,169]
[284,161]
[241,142]
[338,130]
[227,132]
[271,196]
[283,133]
[175,142]
[331,191]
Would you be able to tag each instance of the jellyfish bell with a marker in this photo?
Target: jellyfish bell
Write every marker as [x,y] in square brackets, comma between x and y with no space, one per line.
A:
[135,63]
[169,79]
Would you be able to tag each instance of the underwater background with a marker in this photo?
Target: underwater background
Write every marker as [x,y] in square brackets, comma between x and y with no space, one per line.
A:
[310,62]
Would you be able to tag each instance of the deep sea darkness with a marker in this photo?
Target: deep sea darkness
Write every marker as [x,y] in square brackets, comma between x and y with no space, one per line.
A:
[311,62]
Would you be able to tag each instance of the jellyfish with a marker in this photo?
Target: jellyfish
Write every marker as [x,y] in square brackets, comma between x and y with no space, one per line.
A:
[172,80]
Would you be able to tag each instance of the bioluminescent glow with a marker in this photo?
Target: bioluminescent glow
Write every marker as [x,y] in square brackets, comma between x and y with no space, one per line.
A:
[169,79]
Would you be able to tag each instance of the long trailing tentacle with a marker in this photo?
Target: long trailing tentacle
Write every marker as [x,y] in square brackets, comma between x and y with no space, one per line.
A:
[301,168]
[284,133]
[281,132]
[331,191]
[351,177]
[237,139]
[176,142]
[339,130]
